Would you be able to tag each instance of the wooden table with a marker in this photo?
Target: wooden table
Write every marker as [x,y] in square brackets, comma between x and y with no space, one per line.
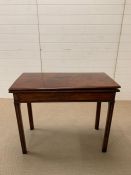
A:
[64,87]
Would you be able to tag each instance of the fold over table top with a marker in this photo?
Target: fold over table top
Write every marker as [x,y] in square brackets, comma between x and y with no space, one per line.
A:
[63,81]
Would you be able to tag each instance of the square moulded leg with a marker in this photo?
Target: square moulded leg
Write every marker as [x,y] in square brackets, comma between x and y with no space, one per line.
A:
[98,111]
[20,127]
[30,114]
[108,125]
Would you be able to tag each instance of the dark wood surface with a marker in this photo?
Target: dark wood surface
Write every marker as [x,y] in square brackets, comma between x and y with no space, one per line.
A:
[98,112]
[63,81]
[64,87]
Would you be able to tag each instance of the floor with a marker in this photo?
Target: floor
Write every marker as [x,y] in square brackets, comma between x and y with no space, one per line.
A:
[64,141]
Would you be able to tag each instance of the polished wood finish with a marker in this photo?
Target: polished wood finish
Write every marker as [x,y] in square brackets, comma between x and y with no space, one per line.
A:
[64,87]
[98,111]
[62,81]
[108,125]
[29,107]
[64,96]
[20,127]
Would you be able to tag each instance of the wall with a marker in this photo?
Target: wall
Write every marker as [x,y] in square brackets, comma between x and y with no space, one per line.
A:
[65,36]
[123,73]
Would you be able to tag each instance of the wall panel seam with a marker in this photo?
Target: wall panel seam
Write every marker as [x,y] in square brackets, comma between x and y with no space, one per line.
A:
[118,48]
[39,35]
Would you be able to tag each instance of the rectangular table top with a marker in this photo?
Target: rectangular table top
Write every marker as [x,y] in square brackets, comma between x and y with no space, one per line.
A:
[62,81]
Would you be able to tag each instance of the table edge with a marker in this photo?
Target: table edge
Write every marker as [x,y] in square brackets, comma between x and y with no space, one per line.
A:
[65,90]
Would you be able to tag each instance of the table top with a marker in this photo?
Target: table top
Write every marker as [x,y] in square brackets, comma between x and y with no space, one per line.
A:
[62,81]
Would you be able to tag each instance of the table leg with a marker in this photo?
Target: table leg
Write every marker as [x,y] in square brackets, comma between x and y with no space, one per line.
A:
[108,125]
[20,127]
[30,116]
[98,111]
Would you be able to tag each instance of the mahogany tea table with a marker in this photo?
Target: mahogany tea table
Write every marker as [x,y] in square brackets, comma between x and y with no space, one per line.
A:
[64,87]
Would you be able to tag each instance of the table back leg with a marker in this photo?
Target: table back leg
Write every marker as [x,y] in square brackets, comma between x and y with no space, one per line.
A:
[98,111]
[108,125]
[30,116]
[20,127]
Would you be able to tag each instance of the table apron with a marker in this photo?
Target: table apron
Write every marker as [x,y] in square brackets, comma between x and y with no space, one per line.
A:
[63,96]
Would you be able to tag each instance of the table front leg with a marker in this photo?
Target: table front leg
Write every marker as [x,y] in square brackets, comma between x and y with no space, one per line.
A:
[30,116]
[108,125]
[20,126]
[98,111]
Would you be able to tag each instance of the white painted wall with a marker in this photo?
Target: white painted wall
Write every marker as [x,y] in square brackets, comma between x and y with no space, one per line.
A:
[123,73]
[65,36]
